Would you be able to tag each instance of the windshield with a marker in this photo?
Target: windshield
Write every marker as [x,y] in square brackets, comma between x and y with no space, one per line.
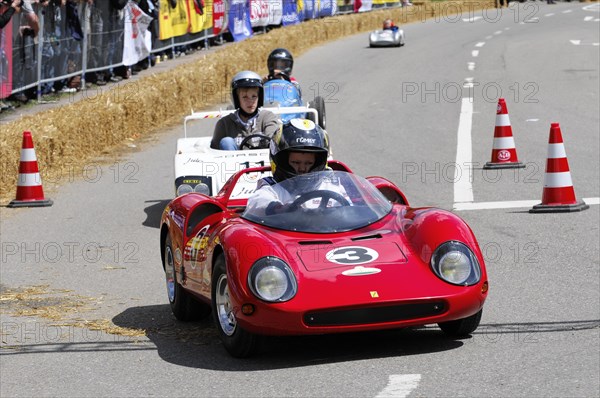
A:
[321,202]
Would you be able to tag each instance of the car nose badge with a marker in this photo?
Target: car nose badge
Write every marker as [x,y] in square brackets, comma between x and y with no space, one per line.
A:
[360,271]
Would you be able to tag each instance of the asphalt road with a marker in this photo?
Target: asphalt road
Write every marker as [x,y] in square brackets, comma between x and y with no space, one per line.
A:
[391,112]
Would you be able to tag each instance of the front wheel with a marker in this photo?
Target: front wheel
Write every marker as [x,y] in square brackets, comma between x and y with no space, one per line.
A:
[184,306]
[238,342]
[461,327]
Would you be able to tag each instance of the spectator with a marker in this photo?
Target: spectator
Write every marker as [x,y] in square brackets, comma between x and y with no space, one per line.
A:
[51,50]
[115,29]
[247,96]
[388,24]
[8,11]
[26,62]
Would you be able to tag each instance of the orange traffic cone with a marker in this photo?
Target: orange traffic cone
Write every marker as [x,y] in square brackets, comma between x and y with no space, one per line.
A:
[504,153]
[29,186]
[559,194]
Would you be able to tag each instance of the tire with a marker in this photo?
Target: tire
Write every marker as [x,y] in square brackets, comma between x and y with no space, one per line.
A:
[184,306]
[319,105]
[238,342]
[461,327]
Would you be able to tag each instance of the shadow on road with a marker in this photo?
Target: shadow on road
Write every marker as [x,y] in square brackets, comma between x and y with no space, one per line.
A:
[196,344]
[154,212]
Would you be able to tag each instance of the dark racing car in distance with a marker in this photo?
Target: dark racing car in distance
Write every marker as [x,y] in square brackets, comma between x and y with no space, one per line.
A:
[331,263]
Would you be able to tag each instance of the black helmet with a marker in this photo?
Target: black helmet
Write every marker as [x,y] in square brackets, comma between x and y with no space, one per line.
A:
[298,135]
[246,79]
[280,59]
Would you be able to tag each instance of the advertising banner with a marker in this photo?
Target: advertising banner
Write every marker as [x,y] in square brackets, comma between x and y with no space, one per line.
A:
[259,13]
[199,15]
[239,20]
[218,16]
[275,12]
[363,5]
[173,21]
[138,40]
[310,9]
[290,13]
[327,8]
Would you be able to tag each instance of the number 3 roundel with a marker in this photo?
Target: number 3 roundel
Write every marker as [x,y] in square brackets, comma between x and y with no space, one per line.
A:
[351,255]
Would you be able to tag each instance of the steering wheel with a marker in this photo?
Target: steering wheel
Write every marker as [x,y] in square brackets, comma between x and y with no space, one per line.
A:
[324,194]
[248,142]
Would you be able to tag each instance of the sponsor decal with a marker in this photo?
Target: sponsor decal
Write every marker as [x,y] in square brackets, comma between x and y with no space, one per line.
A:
[304,140]
[303,124]
[504,155]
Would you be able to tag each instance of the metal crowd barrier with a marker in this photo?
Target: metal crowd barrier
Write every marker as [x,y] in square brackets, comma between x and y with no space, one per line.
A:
[55,54]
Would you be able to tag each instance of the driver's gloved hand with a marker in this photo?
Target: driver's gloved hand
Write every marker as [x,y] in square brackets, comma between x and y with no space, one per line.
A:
[275,208]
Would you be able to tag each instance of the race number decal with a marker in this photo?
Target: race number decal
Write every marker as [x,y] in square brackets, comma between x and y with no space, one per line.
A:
[352,255]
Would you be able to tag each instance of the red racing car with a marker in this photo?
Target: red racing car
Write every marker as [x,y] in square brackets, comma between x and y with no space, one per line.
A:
[331,263]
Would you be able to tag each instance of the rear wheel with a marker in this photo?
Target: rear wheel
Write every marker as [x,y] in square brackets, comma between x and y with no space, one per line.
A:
[461,327]
[238,342]
[319,105]
[184,306]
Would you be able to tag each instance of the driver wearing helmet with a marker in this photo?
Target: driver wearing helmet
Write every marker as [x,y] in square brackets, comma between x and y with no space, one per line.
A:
[388,24]
[280,63]
[249,118]
[299,148]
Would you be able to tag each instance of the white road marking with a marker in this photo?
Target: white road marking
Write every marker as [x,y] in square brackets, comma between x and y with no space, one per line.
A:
[463,189]
[471,65]
[498,32]
[588,18]
[480,44]
[472,19]
[400,386]
[579,43]
[532,120]
[510,204]
[549,15]
[475,53]
[488,37]
[567,11]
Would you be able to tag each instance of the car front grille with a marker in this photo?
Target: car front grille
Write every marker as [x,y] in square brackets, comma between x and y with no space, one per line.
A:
[372,315]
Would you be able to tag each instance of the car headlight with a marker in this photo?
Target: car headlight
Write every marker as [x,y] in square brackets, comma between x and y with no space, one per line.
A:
[184,188]
[272,280]
[455,263]
[202,188]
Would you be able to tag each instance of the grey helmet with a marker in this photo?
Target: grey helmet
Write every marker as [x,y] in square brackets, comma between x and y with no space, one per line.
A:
[246,78]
